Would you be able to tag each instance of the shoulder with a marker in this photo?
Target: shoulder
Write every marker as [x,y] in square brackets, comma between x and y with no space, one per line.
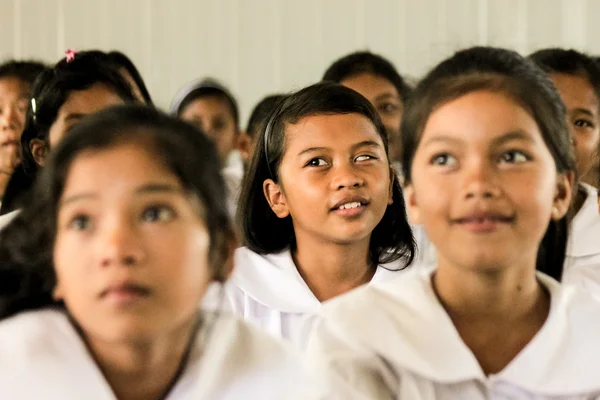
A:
[26,331]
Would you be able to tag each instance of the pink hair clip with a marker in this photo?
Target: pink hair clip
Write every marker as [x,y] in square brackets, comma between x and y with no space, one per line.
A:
[70,55]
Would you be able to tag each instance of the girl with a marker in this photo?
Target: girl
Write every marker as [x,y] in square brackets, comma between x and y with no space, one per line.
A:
[16,79]
[577,78]
[489,172]
[211,107]
[99,299]
[321,211]
[61,97]
[131,74]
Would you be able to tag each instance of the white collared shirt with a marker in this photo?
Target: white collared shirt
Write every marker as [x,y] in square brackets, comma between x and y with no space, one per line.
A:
[43,357]
[233,175]
[395,341]
[582,263]
[268,291]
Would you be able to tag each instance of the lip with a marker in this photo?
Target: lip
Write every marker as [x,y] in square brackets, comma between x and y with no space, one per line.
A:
[484,222]
[125,293]
[350,212]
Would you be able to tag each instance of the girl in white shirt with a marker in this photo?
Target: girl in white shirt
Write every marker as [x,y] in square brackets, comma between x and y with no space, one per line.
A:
[101,275]
[321,211]
[489,172]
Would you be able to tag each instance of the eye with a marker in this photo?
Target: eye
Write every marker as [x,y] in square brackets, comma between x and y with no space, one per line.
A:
[514,157]
[158,214]
[218,125]
[388,108]
[365,157]
[583,123]
[316,162]
[80,222]
[444,159]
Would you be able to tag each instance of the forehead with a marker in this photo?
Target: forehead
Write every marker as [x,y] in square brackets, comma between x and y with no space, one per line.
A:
[333,131]
[576,91]
[13,87]
[370,85]
[90,100]
[208,106]
[480,116]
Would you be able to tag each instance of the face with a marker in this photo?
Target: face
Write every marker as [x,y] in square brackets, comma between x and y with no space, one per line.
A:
[131,251]
[213,115]
[582,117]
[484,183]
[387,101]
[80,103]
[335,179]
[14,98]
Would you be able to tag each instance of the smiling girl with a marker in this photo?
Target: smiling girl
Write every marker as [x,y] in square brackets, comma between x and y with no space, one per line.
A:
[489,172]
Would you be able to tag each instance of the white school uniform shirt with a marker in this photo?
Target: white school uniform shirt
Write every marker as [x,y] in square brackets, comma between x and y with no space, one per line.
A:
[7,218]
[43,357]
[395,341]
[233,174]
[268,291]
[582,263]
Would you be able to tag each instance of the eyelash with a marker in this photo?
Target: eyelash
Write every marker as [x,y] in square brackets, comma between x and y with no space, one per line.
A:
[80,219]
[370,157]
[434,160]
[588,124]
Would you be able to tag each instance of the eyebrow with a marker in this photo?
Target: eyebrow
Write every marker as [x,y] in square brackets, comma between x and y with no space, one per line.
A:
[75,116]
[144,189]
[584,111]
[387,96]
[364,143]
[507,137]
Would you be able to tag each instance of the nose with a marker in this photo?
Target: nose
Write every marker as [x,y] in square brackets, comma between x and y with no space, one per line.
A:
[480,181]
[120,244]
[9,118]
[346,176]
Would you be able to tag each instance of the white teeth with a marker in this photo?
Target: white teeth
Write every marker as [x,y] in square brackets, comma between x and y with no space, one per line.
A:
[350,205]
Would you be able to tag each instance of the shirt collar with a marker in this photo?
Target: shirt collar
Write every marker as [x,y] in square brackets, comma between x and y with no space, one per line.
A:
[585,227]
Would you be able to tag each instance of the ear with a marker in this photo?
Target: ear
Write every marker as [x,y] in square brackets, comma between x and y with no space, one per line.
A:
[565,184]
[276,198]
[243,143]
[412,205]
[57,294]
[393,178]
[39,149]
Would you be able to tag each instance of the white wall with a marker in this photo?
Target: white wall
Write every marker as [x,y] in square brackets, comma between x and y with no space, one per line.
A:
[263,46]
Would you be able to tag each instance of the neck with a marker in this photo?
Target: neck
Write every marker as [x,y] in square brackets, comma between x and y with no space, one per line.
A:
[4,179]
[144,369]
[331,269]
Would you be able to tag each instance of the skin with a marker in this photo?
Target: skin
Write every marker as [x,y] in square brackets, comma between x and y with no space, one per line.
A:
[125,219]
[14,99]
[487,155]
[213,116]
[330,159]
[384,96]
[78,104]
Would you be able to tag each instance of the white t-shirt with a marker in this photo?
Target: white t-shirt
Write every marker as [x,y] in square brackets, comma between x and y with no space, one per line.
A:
[582,263]
[268,291]
[395,341]
[43,357]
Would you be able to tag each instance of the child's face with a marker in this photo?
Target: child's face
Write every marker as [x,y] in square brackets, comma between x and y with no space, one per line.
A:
[14,98]
[484,183]
[387,101]
[582,117]
[329,161]
[213,116]
[131,251]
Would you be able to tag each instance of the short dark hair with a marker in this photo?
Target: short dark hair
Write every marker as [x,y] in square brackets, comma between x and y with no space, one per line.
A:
[120,60]
[366,62]
[504,71]
[262,230]
[206,88]
[27,276]
[25,71]
[261,112]
[570,62]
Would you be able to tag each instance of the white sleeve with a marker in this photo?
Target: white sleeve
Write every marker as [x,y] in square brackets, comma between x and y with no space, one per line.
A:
[344,369]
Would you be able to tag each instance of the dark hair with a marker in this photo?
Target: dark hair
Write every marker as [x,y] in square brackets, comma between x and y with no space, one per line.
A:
[50,91]
[25,71]
[261,112]
[120,60]
[206,88]
[570,62]
[27,275]
[262,230]
[504,71]
[366,62]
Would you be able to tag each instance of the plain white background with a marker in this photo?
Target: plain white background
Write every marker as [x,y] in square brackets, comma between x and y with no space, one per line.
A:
[259,47]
